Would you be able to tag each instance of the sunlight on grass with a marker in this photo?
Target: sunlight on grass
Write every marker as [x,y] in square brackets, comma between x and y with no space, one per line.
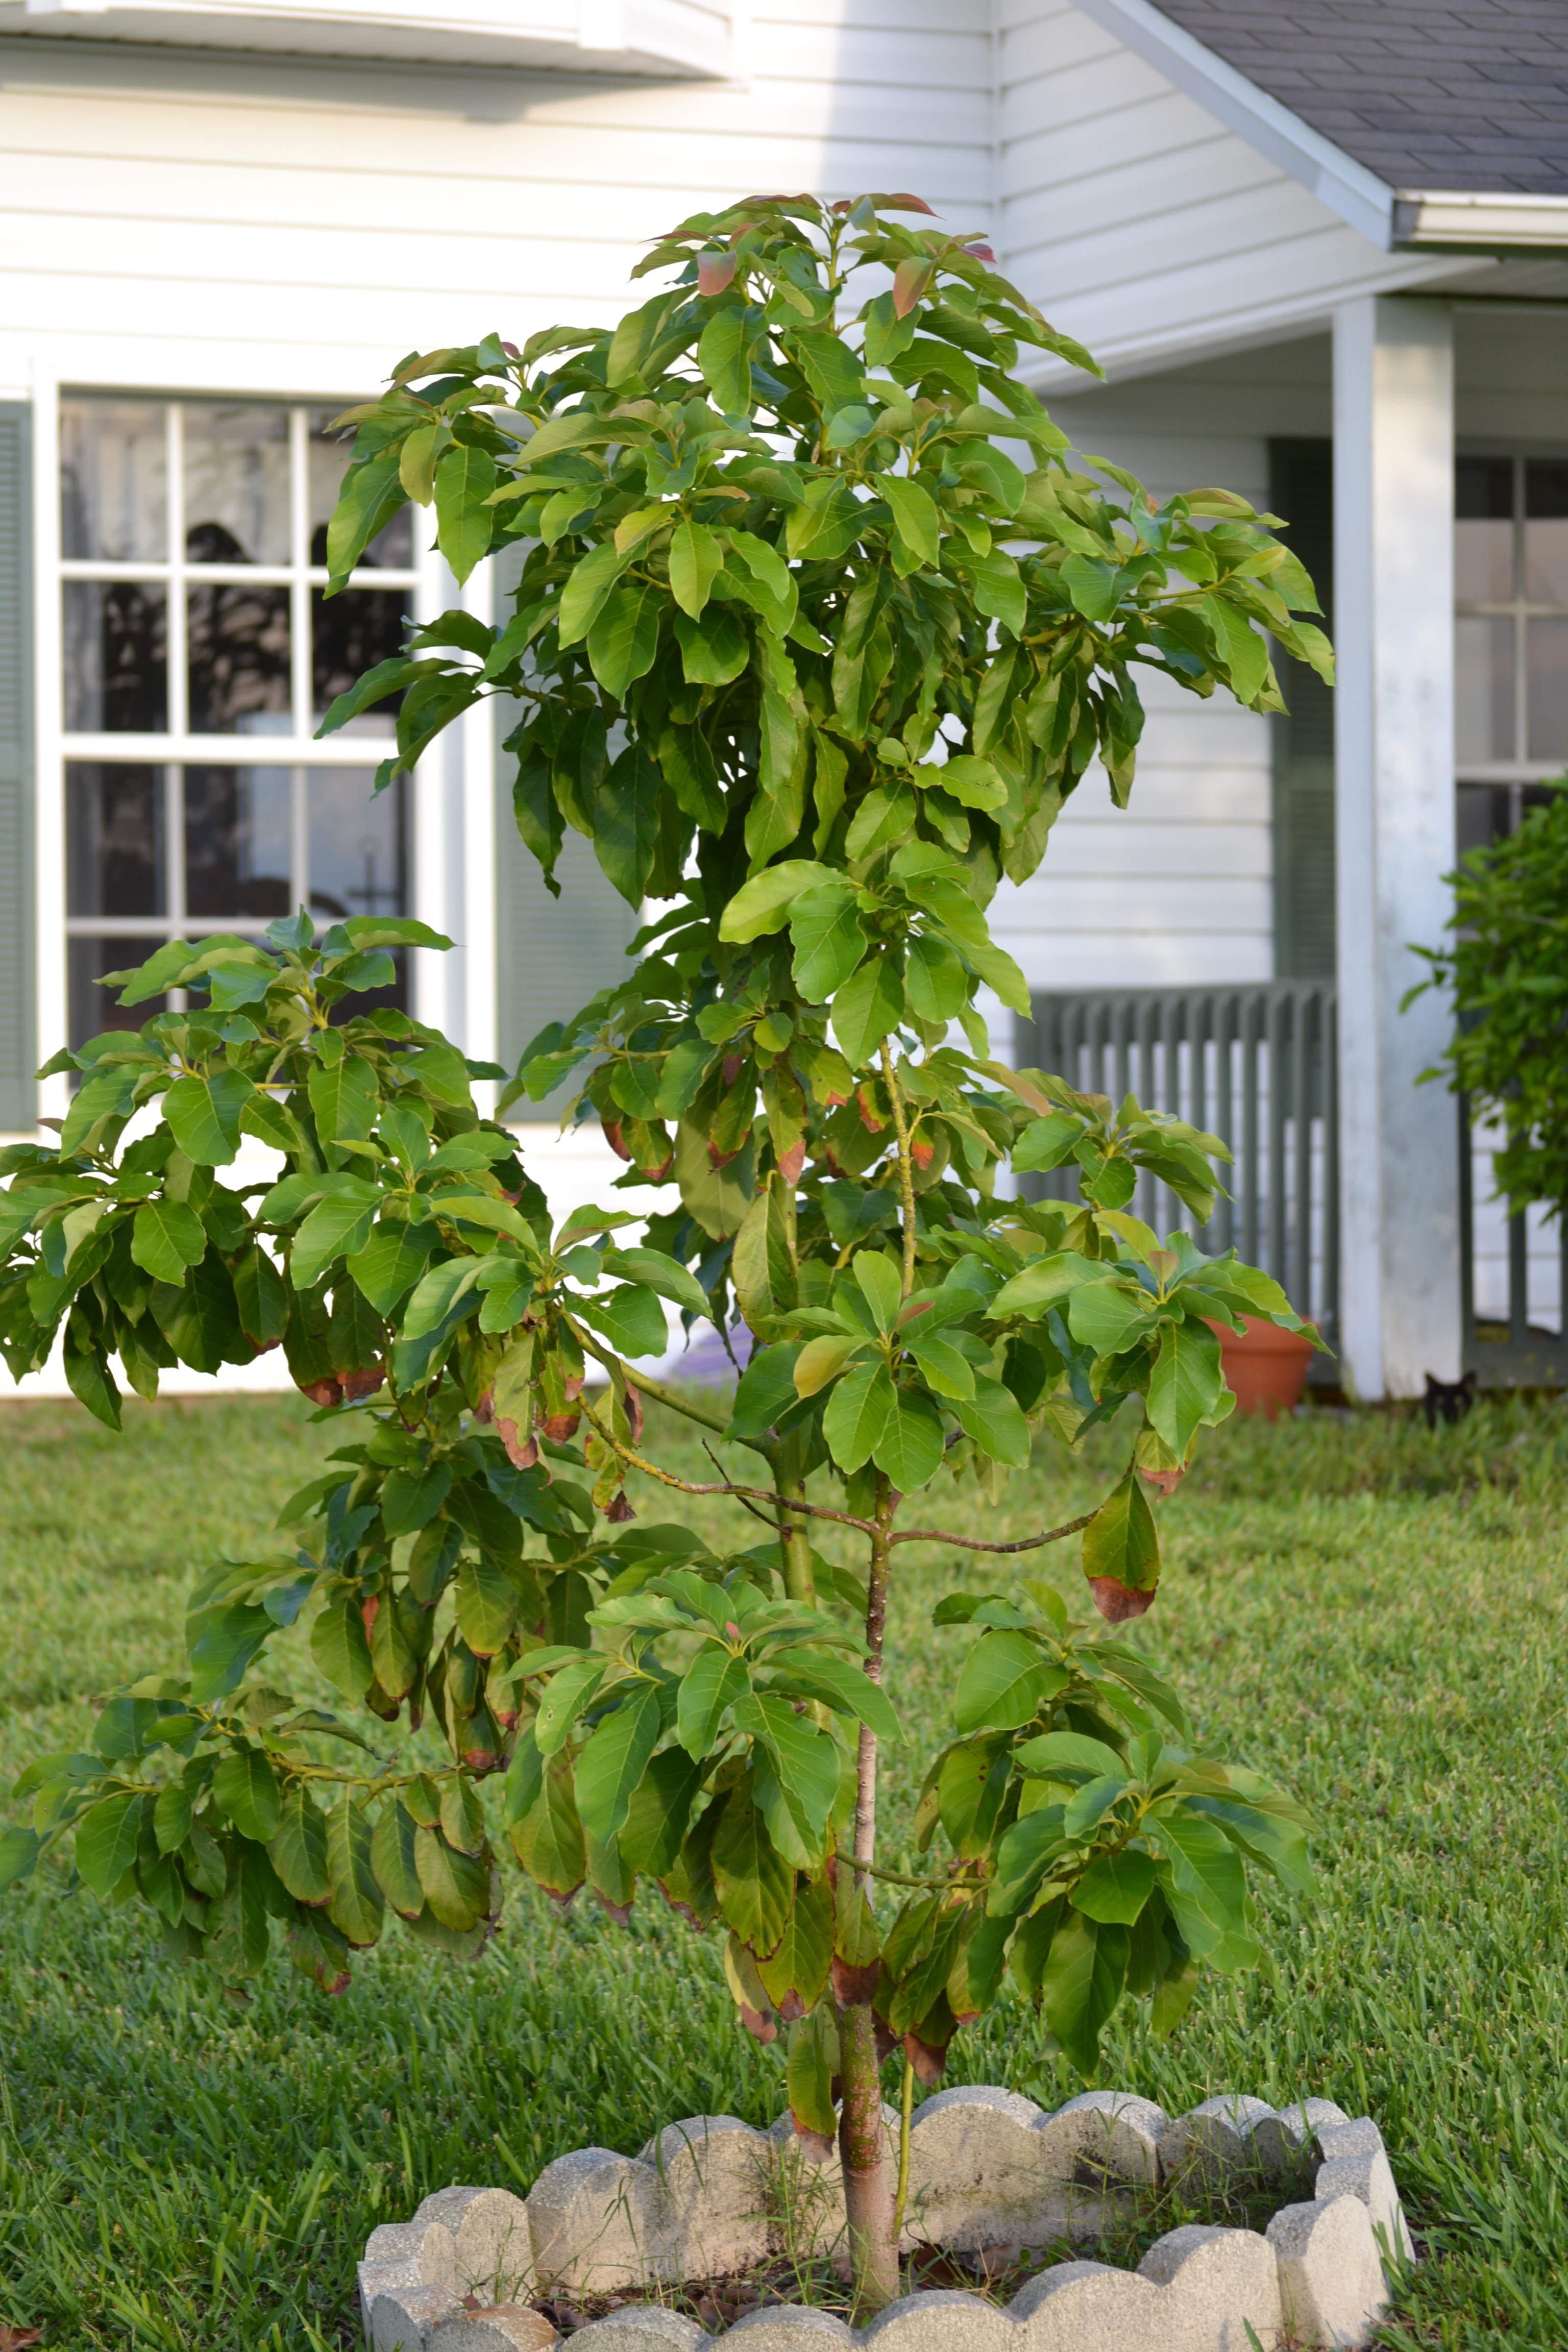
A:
[1372,1613]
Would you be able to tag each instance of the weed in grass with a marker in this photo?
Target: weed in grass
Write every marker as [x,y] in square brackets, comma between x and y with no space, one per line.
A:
[1374,1612]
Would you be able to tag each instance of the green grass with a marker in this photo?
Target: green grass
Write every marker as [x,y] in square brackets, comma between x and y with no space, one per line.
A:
[1375,1613]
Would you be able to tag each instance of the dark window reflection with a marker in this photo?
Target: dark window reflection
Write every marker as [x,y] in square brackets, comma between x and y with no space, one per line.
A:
[350,632]
[238,660]
[92,1010]
[114,839]
[1483,534]
[116,657]
[238,842]
[236,485]
[357,843]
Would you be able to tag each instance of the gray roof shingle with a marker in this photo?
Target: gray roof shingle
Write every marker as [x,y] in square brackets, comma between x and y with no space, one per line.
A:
[1426,93]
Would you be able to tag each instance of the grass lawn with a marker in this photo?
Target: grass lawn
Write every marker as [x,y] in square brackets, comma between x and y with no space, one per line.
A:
[1377,1615]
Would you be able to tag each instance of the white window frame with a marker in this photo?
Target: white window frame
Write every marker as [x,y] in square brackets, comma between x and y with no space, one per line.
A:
[451,814]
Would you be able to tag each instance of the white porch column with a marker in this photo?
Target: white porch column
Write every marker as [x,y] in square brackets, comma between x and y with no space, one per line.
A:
[1394,617]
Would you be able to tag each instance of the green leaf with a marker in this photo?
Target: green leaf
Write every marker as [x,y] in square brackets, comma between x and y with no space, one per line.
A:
[659,1810]
[1207,1869]
[868,1008]
[794,1977]
[1082,1984]
[809,2072]
[585,590]
[660,1273]
[335,1228]
[166,1238]
[340,1648]
[203,1114]
[613,1763]
[821,1361]
[1121,1542]
[1003,1682]
[944,1369]
[631,1320]
[464,477]
[766,1391]
[859,1412]
[798,1777]
[714,1681]
[910,1447]
[245,1786]
[754,1883]
[880,1283]
[487,1605]
[222,1652]
[356,1907]
[569,1691]
[713,650]
[992,1418]
[344,1098]
[106,1838]
[915,518]
[696,559]
[935,982]
[1115,1888]
[456,1885]
[1068,1752]
[829,939]
[763,903]
[298,1850]
[626,822]
[18,1851]
[623,638]
[411,1498]
[392,1858]
[1185,1384]
[848,1690]
[549,1841]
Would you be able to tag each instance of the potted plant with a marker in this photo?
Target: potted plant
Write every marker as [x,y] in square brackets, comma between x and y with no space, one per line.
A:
[774,654]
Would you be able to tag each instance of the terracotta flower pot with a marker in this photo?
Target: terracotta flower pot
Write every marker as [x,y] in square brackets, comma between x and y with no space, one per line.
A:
[1265,1366]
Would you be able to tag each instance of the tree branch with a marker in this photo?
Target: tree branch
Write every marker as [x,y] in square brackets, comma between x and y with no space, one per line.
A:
[976,1543]
[906,1165]
[646,1386]
[692,1487]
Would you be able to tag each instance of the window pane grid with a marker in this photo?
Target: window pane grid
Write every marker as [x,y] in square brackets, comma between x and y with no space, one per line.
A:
[1512,626]
[195,675]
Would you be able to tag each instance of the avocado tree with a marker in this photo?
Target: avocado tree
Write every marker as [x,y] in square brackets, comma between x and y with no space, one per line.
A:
[813,662]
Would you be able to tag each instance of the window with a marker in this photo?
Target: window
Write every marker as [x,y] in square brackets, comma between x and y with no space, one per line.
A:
[1511,665]
[200,655]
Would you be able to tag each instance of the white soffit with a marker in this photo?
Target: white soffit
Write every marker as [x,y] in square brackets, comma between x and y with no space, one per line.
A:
[1347,188]
[682,37]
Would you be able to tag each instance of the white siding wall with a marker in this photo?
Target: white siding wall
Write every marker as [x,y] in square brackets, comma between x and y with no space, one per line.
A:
[196,220]
[1177,888]
[1140,225]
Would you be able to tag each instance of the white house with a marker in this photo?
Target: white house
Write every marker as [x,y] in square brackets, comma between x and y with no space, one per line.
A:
[1314,242]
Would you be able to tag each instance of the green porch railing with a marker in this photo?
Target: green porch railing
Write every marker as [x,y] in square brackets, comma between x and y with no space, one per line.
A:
[1255,1064]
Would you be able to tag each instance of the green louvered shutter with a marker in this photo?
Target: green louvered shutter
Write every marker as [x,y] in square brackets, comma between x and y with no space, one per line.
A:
[18,1038]
[1301,490]
[551,954]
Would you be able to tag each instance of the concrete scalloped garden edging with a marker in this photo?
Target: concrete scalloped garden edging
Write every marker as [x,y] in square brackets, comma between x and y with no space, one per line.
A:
[712,2198]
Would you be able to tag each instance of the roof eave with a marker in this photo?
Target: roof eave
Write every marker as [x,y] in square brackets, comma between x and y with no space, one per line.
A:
[1471,220]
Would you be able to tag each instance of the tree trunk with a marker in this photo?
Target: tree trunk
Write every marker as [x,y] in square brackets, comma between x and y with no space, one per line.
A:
[868,2179]
[862,2142]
